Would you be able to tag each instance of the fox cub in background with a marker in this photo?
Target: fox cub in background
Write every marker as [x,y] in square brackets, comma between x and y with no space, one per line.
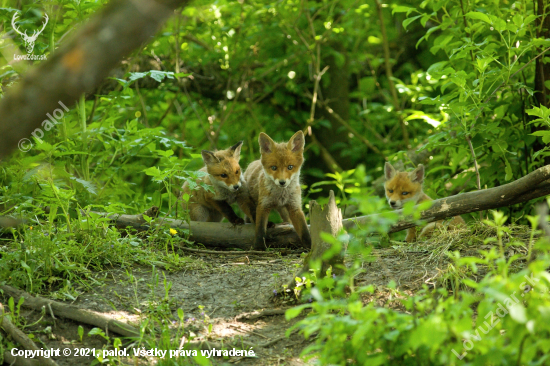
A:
[224,174]
[402,187]
[274,184]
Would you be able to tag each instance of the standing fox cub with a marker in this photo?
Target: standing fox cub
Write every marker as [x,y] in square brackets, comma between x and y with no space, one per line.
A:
[403,187]
[224,174]
[274,184]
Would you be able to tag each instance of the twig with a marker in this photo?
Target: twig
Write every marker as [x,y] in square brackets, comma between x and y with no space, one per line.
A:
[72,312]
[318,76]
[20,337]
[500,86]
[478,179]
[389,73]
[194,39]
[190,102]
[170,104]
[142,104]
[260,314]
[351,129]
[229,252]
[327,157]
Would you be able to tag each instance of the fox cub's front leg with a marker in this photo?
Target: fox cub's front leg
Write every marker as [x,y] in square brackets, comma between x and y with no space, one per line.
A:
[262,216]
[227,211]
[298,220]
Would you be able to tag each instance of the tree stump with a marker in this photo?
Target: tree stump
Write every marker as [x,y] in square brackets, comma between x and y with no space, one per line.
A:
[327,219]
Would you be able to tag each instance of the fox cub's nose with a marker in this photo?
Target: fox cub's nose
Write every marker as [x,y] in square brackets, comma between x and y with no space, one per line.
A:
[282,182]
[392,203]
[236,186]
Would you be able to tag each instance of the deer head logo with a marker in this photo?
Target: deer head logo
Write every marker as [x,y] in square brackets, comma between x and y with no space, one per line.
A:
[29,40]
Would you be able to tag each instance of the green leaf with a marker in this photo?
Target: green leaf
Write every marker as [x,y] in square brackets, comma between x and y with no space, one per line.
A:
[479,16]
[508,170]
[88,185]
[402,9]
[294,312]
[408,21]
[517,312]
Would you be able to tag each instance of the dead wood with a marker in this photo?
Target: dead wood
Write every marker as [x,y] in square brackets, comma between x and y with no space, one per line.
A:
[226,252]
[21,338]
[20,361]
[215,234]
[324,219]
[72,312]
[225,235]
[79,66]
[260,314]
[534,185]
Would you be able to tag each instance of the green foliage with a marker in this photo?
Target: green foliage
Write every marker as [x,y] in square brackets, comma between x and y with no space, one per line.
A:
[432,327]
[462,87]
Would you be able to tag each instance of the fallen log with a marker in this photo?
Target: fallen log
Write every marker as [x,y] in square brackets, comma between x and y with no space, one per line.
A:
[22,339]
[71,312]
[534,185]
[212,234]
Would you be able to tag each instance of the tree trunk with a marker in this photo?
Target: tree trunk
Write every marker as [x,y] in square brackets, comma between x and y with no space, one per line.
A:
[337,93]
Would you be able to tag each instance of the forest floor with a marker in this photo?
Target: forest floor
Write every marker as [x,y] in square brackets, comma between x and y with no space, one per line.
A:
[228,297]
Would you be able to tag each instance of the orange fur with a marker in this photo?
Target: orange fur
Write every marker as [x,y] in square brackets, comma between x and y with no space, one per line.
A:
[225,176]
[274,184]
[402,187]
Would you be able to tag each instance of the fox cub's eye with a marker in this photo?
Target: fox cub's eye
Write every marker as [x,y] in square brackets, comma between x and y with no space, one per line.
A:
[223,175]
[237,172]
[390,190]
[290,167]
[404,193]
[273,167]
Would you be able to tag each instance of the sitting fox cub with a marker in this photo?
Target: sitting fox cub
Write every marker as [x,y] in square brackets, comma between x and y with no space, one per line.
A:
[224,174]
[403,187]
[274,184]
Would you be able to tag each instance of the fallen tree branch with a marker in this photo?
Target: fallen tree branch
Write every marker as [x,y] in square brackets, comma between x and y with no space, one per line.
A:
[227,252]
[20,361]
[212,234]
[260,314]
[79,66]
[534,185]
[71,312]
[21,338]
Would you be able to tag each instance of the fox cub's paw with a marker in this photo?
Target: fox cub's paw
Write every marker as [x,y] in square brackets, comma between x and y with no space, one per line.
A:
[238,221]
[259,245]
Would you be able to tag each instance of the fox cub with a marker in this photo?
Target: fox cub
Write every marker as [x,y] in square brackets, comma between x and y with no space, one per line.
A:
[224,174]
[274,184]
[402,187]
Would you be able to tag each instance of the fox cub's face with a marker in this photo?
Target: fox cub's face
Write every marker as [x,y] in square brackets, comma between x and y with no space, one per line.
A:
[223,166]
[282,162]
[403,187]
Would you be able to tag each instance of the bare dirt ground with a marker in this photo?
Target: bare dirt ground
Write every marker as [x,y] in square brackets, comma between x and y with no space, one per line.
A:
[217,294]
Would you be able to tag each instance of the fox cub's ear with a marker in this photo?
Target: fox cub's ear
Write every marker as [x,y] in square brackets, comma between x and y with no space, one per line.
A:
[209,158]
[296,142]
[417,175]
[236,149]
[389,171]
[267,145]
